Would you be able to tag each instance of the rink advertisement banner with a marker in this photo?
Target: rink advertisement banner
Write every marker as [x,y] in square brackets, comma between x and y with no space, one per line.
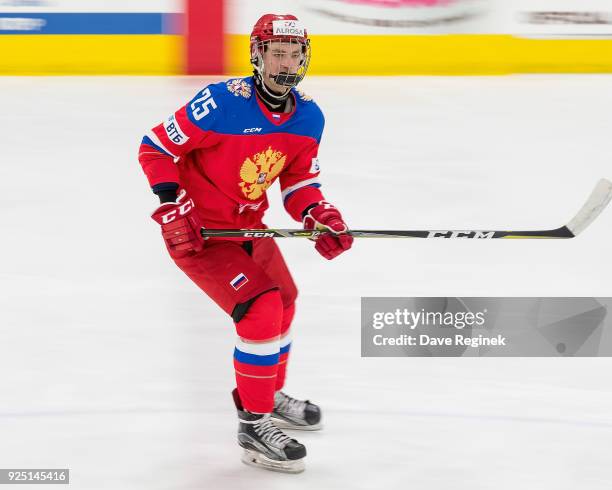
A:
[94,37]
[85,23]
[432,17]
[486,327]
[434,37]
[38,6]
[372,17]
[93,17]
[562,18]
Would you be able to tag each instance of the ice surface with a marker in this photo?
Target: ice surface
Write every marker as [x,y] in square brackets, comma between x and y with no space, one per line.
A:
[113,364]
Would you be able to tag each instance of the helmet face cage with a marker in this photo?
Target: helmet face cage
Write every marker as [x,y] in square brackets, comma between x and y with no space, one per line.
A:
[258,48]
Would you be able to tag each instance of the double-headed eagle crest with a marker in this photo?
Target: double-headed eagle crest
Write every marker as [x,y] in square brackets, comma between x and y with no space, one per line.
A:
[239,88]
[258,173]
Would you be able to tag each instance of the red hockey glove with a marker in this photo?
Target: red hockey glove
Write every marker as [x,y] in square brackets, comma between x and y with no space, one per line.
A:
[180,225]
[325,216]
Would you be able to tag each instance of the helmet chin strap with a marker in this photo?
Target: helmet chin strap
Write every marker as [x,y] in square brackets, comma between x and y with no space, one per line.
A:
[273,100]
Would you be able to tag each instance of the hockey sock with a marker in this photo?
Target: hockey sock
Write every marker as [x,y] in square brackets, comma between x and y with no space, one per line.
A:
[257,352]
[285,345]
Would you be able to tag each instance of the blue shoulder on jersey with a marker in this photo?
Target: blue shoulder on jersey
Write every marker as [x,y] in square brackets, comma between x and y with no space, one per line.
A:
[205,110]
[231,108]
[311,112]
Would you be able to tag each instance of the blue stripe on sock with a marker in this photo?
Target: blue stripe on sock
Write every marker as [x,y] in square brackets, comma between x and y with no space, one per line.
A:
[256,360]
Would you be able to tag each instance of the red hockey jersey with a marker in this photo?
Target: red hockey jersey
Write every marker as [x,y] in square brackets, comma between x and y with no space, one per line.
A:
[226,149]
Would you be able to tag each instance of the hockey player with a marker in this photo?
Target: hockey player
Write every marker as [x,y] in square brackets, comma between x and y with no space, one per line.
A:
[210,163]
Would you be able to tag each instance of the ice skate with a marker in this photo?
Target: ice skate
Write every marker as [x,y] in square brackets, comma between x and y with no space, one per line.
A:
[290,413]
[265,445]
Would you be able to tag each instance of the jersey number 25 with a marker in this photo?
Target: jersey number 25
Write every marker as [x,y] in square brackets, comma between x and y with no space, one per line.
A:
[200,106]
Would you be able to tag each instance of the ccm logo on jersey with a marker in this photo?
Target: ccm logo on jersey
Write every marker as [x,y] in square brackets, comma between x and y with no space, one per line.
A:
[174,131]
[182,210]
[259,234]
[252,130]
[461,234]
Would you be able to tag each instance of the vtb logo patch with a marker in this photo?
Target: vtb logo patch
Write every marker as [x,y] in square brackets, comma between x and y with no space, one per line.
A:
[174,131]
[258,173]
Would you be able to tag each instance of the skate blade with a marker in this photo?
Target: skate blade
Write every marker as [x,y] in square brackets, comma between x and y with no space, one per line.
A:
[283,424]
[258,460]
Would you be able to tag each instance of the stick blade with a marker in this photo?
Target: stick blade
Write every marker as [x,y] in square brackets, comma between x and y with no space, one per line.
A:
[596,203]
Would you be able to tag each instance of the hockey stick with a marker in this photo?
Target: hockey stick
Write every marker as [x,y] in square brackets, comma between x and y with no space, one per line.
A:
[597,201]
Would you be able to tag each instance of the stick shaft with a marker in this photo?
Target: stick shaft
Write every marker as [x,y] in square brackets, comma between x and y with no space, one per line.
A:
[562,232]
[595,204]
